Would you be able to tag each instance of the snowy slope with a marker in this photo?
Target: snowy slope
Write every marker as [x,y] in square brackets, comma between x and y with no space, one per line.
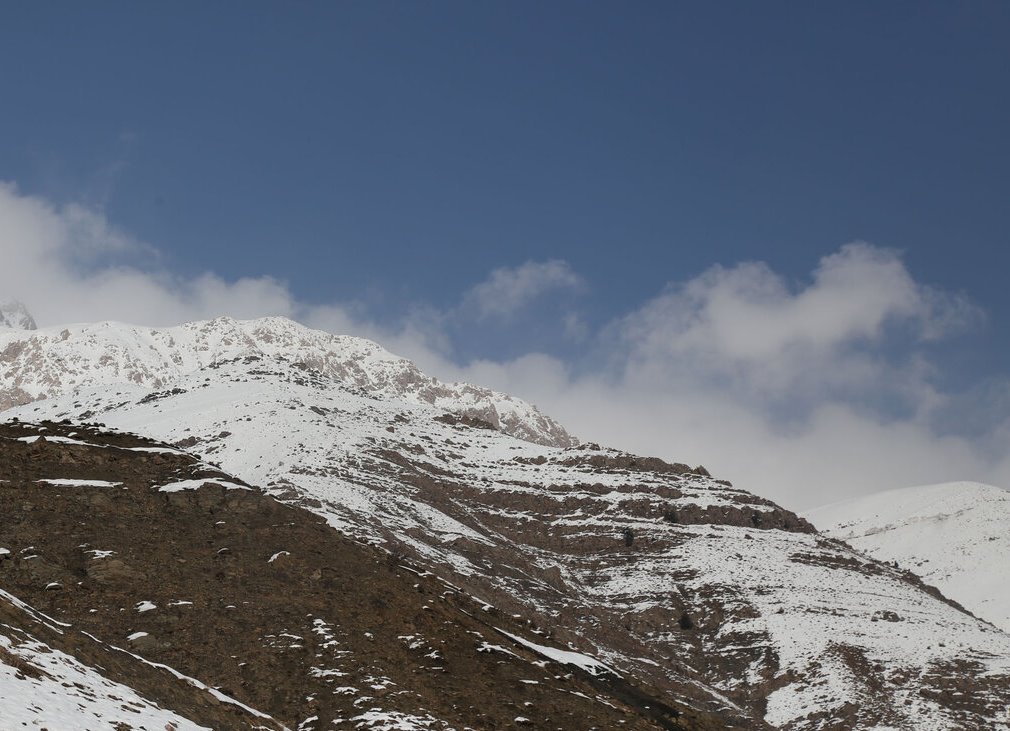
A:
[69,696]
[717,597]
[955,536]
[41,687]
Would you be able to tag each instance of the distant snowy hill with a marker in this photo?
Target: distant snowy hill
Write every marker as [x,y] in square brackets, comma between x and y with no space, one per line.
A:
[14,314]
[721,600]
[956,536]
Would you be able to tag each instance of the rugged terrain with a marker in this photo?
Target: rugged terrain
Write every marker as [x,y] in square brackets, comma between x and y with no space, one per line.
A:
[716,599]
[145,548]
[953,535]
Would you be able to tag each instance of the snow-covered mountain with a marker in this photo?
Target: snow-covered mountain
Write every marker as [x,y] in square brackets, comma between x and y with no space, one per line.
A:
[57,360]
[14,314]
[719,599]
[956,536]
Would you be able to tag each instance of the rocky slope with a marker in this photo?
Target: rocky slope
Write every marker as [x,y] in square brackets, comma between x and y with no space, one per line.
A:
[109,538]
[953,535]
[721,601]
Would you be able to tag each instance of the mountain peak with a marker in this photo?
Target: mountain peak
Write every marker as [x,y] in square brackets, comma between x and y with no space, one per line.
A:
[14,314]
[54,360]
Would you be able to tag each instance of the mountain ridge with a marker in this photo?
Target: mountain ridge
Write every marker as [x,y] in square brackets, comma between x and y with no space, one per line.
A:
[85,354]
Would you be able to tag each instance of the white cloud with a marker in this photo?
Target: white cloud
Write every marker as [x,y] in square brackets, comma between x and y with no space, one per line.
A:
[779,388]
[746,323]
[509,289]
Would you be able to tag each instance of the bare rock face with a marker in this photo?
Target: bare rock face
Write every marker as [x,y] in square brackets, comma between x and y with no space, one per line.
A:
[14,315]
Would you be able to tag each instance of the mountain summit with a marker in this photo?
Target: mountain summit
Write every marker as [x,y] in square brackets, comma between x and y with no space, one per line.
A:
[13,314]
[56,360]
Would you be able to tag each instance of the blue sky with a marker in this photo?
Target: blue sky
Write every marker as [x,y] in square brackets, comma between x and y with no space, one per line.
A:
[388,158]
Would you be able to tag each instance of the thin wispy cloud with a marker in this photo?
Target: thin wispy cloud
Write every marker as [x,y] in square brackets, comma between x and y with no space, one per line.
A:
[508,290]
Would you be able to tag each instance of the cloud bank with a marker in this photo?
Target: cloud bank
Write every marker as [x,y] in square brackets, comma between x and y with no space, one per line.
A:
[803,393]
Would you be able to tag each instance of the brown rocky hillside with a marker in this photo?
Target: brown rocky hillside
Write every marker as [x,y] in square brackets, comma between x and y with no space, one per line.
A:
[268,604]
